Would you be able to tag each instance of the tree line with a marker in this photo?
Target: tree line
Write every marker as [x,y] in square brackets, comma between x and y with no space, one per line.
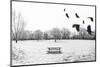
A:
[55,34]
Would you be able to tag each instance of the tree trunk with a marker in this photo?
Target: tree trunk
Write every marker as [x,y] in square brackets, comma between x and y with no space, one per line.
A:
[55,40]
[16,38]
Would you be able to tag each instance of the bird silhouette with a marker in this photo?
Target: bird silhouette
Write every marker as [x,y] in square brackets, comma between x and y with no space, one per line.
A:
[64,9]
[67,15]
[91,18]
[77,16]
[89,29]
[77,26]
[83,22]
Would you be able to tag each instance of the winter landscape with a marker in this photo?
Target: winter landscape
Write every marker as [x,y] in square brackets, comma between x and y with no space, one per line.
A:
[52,33]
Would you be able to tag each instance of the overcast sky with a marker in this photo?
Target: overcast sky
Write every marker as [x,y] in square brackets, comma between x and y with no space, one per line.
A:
[47,16]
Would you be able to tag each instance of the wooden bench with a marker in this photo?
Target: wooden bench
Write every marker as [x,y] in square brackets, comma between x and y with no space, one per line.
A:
[54,50]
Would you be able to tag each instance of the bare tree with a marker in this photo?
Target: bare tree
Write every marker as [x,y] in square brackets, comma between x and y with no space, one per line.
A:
[56,33]
[38,34]
[45,35]
[83,33]
[65,33]
[18,24]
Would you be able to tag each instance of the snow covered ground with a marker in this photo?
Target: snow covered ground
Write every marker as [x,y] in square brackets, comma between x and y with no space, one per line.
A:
[35,52]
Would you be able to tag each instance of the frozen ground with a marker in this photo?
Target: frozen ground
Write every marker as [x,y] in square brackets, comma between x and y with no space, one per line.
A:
[35,52]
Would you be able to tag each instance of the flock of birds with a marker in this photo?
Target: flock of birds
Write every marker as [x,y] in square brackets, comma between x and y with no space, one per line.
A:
[77,26]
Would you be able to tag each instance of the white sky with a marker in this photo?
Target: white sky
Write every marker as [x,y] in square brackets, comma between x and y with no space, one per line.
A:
[47,16]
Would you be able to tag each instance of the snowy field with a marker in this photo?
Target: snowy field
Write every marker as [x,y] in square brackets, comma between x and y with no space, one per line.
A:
[35,52]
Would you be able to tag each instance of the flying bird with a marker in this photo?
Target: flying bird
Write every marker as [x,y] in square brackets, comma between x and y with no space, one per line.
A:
[89,29]
[77,16]
[67,15]
[77,26]
[83,22]
[91,18]
[64,9]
